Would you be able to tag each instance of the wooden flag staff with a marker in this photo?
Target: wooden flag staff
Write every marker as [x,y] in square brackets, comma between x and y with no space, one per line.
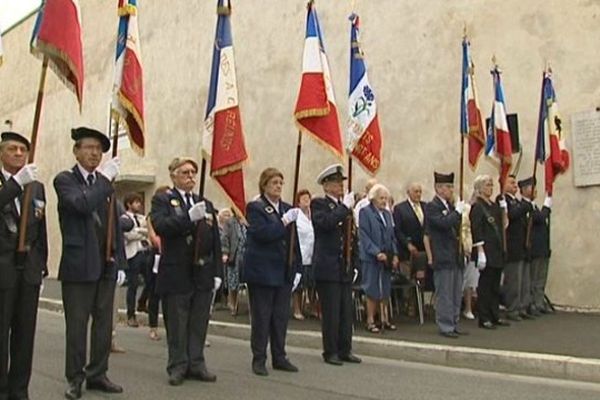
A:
[110,225]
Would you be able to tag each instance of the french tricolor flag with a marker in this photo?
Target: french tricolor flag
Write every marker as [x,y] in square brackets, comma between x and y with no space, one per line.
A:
[498,142]
[364,135]
[316,112]
[223,140]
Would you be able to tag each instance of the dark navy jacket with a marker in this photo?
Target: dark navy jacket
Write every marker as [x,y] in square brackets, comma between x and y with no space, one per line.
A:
[540,233]
[329,220]
[178,272]
[442,225]
[486,226]
[267,245]
[408,229]
[34,264]
[516,231]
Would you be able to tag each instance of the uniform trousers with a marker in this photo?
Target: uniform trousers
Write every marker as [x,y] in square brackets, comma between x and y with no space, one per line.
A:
[488,294]
[82,300]
[18,312]
[448,292]
[336,321]
[270,310]
[186,319]
[526,287]
[512,287]
[539,277]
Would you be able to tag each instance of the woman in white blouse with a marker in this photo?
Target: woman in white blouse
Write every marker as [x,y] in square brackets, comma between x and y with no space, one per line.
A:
[306,237]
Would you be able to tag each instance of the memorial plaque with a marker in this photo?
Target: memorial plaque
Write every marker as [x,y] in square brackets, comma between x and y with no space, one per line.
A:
[586,148]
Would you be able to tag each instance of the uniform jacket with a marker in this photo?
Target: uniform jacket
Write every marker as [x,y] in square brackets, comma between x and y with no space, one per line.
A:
[517,228]
[442,225]
[329,223]
[34,263]
[267,245]
[486,227]
[373,236]
[408,228]
[178,272]
[540,232]
[83,217]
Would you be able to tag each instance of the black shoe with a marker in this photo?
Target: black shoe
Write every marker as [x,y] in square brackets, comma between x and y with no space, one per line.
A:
[526,316]
[73,392]
[351,358]
[502,322]
[285,365]
[333,360]
[514,317]
[202,375]
[487,325]
[176,379]
[259,369]
[103,384]
[451,334]
[461,332]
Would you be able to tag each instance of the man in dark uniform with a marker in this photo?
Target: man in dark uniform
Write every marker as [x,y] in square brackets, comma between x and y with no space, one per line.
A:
[88,279]
[22,273]
[538,246]
[443,228]
[331,216]
[516,273]
[190,269]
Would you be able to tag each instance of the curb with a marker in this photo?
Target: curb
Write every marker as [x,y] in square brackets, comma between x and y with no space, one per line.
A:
[513,362]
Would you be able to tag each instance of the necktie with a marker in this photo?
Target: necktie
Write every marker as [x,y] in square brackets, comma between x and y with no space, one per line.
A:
[137,220]
[419,212]
[90,179]
[188,200]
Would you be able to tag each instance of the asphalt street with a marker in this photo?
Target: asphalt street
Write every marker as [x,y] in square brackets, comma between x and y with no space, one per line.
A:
[142,373]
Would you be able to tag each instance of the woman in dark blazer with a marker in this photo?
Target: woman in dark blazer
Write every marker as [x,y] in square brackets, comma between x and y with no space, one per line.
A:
[488,220]
[378,255]
[267,272]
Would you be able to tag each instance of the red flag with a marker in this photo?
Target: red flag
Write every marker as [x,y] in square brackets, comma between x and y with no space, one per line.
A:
[57,35]
[316,112]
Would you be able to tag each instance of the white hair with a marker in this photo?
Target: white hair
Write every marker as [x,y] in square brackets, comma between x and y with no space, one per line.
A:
[480,182]
[376,189]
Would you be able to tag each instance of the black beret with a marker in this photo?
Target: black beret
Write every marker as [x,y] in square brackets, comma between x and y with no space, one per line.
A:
[84,132]
[6,136]
[443,178]
[526,182]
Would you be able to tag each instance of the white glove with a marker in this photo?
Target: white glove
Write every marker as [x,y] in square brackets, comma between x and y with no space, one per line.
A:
[120,278]
[155,264]
[41,288]
[26,175]
[198,211]
[297,278]
[218,282]
[548,202]
[349,200]
[503,204]
[290,215]
[460,206]
[355,275]
[481,261]
[110,168]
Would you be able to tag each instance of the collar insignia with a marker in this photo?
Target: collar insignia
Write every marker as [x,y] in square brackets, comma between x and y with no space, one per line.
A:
[269,210]
[175,203]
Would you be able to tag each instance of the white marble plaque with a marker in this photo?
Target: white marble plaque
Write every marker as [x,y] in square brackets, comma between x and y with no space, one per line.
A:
[586,148]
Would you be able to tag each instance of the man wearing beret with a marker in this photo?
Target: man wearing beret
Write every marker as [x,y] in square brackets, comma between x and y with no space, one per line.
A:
[331,215]
[442,224]
[21,273]
[88,279]
[190,270]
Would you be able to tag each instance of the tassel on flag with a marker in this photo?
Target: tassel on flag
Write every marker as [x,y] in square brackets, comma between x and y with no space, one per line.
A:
[223,140]
[471,123]
[128,89]
[316,112]
[550,129]
[364,136]
[57,36]
[498,144]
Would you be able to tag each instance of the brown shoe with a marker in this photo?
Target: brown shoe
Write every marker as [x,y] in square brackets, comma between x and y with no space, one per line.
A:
[154,334]
[132,323]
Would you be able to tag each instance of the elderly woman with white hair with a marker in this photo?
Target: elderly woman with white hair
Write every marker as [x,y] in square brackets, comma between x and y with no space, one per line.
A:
[487,225]
[378,255]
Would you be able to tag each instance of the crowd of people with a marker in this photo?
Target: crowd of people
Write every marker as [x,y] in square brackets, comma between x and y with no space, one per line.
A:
[309,258]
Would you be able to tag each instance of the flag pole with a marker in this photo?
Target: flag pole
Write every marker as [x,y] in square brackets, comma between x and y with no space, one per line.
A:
[110,225]
[34,135]
[201,195]
[349,222]
[291,245]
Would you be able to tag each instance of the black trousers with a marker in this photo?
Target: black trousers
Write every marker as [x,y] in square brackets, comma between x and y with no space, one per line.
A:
[270,310]
[82,300]
[135,266]
[18,312]
[488,294]
[186,320]
[336,323]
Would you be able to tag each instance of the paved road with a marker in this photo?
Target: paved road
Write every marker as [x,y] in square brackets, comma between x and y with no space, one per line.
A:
[141,372]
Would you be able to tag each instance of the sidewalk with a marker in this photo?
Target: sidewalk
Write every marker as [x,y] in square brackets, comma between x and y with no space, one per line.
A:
[562,345]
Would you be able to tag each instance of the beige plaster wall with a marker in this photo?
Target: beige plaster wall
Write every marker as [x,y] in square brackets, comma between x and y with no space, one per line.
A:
[414,56]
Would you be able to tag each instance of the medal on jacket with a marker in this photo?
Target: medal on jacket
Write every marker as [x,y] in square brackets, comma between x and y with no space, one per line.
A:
[331,206]
[38,208]
[269,210]
[491,219]
[175,203]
